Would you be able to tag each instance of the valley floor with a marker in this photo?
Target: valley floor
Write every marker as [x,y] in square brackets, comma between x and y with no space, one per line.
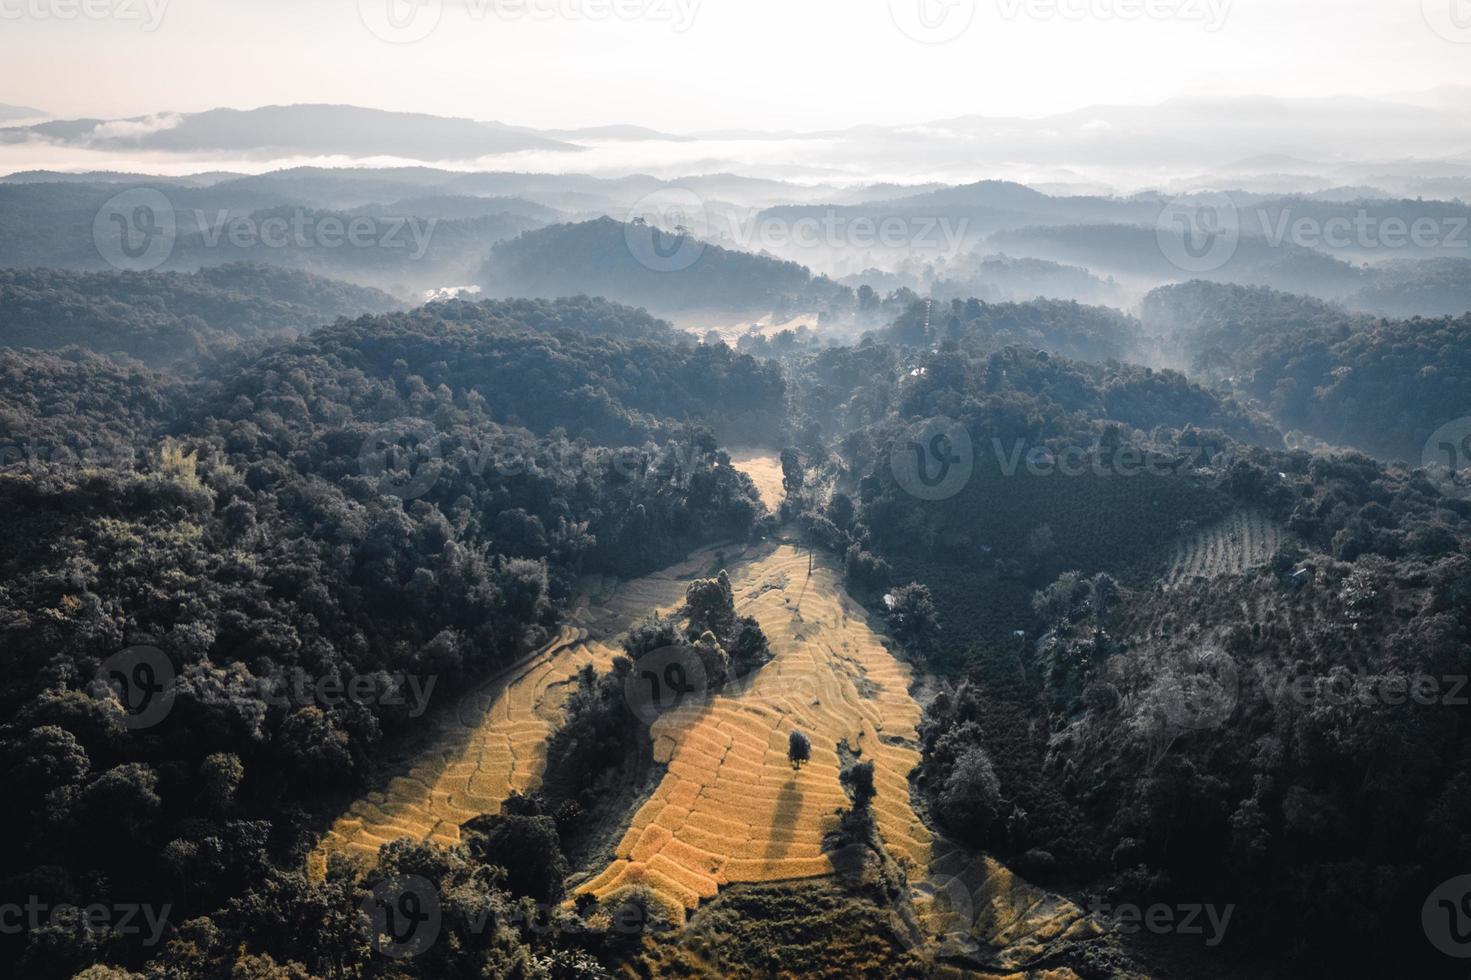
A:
[730,808]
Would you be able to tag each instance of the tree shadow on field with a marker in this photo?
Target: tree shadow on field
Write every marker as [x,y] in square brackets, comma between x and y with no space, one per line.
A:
[784,819]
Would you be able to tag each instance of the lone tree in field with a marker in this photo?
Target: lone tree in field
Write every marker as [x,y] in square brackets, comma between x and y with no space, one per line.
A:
[799,749]
[857,779]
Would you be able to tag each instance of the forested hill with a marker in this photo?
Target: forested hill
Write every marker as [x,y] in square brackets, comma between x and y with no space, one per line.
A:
[638,264]
[586,367]
[1094,333]
[1383,386]
[1177,684]
[351,508]
[163,317]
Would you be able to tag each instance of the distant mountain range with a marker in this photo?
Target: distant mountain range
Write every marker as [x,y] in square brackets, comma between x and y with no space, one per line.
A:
[12,113]
[1411,145]
[294,129]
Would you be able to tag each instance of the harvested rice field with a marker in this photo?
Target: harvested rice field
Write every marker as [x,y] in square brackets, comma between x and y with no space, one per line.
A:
[492,744]
[730,807]
[764,469]
[494,741]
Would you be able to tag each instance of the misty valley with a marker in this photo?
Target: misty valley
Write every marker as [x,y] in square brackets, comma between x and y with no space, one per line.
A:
[1028,544]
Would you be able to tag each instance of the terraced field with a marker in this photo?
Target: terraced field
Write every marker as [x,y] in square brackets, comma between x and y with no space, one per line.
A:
[1244,540]
[731,808]
[764,469]
[493,742]
[976,911]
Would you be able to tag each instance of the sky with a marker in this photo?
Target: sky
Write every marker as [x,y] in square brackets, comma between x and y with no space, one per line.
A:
[697,65]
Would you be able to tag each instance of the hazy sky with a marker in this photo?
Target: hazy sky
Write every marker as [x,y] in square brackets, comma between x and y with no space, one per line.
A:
[699,64]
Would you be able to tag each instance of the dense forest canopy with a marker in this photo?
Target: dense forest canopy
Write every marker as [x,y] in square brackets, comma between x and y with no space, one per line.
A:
[1136,556]
[164,317]
[639,263]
